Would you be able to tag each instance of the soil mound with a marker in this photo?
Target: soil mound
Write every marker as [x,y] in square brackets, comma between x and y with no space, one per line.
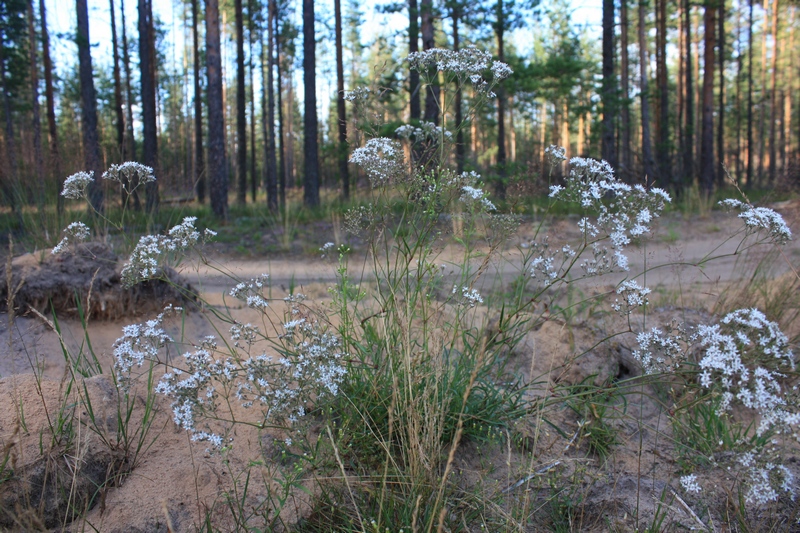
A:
[90,274]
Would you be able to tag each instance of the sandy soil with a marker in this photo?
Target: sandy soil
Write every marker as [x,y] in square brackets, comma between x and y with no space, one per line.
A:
[175,483]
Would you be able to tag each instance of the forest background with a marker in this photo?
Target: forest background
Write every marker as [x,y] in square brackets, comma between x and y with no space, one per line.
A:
[247,97]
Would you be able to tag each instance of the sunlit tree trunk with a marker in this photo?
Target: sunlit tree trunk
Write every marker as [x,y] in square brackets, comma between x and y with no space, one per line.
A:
[663,145]
[282,169]
[750,147]
[460,147]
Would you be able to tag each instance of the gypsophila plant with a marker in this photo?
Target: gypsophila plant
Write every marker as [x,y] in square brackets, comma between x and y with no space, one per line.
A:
[75,233]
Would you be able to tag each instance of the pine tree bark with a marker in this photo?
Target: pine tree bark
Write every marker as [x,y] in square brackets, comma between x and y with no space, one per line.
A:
[120,120]
[647,151]
[501,102]
[130,141]
[750,147]
[429,42]
[774,112]
[721,97]
[271,174]
[252,153]
[241,118]
[663,146]
[415,110]
[688,128]
[55,156]
[217,161]
[38,158]
[460,147]
[199,156]
[341,112]
[310,143]
[609,88]
[91,144]
[147,66]
[283,170]
[707,169]
[626,167]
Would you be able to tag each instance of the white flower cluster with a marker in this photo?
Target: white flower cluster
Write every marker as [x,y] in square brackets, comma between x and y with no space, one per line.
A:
[252,292]
[765,479]
[140,343]
[742,340]
[690,484]
[359,93]
[75,186]
[548,266]
[130,174]
[633,296]
[469,297]
[427,131]
[192,388]
[311,366]
[555,154]
[145,260]
[624,211]
[476,198]
[326,249]
[74,233]
[467,64]
[382,159]
[660,351]
[761,218]
[246,333]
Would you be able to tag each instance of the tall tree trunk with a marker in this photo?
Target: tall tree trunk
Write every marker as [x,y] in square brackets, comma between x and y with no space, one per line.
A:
[415,111]
[762,136]
[739,71]
[341,113]
[199,156]
[501,103]
[55,156]
[460,147]
[120,123]
[663,147]
[147,66]
[625,116]
[311,160]
[282,169]
[647,152]
[250,31]
[750,148]
[241,118]
[707,169]
[9,167]
[271,174]
[609,89]
[217,161]
[688,128]
[429,42]
[774,114]
[38,158]
[91,145]
[130,142]
[721,97]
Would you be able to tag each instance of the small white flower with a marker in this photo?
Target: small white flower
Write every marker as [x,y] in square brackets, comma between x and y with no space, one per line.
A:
[75,185]
[689,483]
